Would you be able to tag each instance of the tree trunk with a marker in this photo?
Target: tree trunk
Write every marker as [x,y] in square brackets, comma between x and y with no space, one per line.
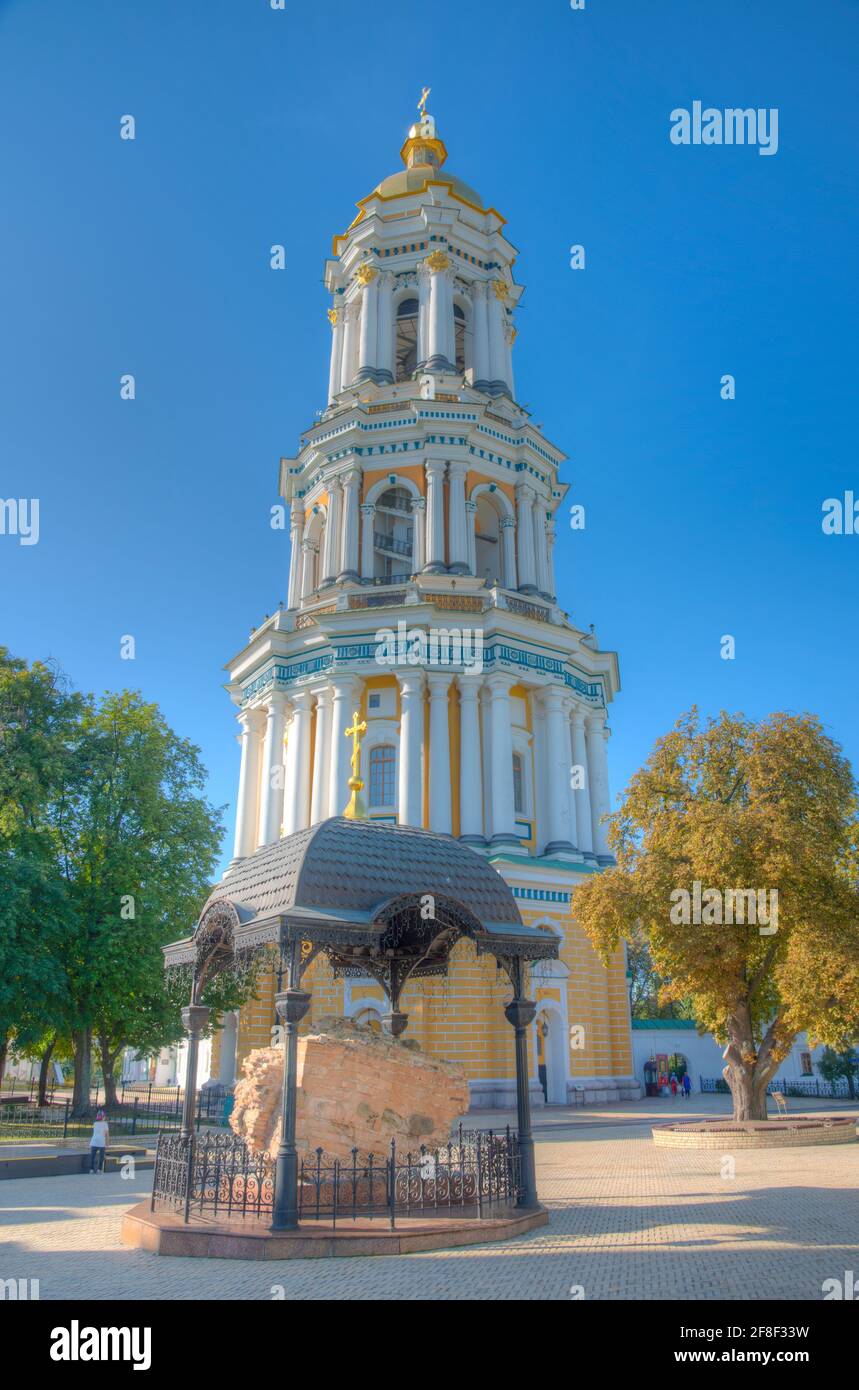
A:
[108,1069]
[748,1068]
[82,1043]
[4,1048]
[44,1069]
[748,1090]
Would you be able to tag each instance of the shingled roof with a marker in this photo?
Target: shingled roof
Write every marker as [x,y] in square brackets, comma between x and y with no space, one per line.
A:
[350,868]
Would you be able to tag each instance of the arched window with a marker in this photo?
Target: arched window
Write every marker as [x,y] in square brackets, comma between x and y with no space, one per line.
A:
[459,337]
[407,339]
[393,535]
[518,785]
[383,774]
[487,536]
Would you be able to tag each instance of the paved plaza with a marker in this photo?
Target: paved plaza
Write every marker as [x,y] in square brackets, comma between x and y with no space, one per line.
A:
[627,1221]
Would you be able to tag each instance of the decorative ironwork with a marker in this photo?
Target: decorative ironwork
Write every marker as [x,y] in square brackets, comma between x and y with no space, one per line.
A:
[216,1177]
[528,610]
[478,1173]
[213,1175]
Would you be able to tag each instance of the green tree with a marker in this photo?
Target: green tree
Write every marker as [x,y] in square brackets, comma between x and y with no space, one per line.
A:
[39,764]
[737,805]
[140,842]
[840,1063]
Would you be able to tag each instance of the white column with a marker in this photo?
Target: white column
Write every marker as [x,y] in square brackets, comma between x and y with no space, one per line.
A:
[440,812]
[349,543]
[440,311]
[596,737]
[331,542]
[550,555]
[470,537]
[335,374]
[509,340]
[458,537]
[525,535]
[485,702]
[385,353]
[503,812]
[350,314]
[470,808]
[346,692]
[309,551]
[581,795]
[229,1039]
[368,525]
[557,772]
[272,780]
[424,282]
[368,277]
[508,542]
[497,345]
[296,532]
[541,552]
[480,312]
[251,723]
[419,549]
[296,795]
[410,799]
[435,517]
[321,759]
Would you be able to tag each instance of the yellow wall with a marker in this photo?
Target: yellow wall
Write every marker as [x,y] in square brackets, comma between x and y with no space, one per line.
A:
[462,1017]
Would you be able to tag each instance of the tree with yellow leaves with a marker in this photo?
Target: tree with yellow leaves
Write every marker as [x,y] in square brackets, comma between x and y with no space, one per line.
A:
[737,848]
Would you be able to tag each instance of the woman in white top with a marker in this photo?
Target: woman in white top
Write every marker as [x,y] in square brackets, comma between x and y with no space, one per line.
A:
[98,1143]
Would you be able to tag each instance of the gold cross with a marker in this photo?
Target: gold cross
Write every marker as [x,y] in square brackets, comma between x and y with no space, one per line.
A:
[423,101]
[355,810]
[358,728]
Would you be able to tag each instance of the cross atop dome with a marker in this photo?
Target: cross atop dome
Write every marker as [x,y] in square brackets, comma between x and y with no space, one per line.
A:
[423,145]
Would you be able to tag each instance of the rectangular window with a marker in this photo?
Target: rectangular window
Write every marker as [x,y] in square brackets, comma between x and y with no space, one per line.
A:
[518,787]
[383,764]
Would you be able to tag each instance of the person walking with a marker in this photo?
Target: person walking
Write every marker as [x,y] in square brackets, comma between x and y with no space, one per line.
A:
[98,1143]
[687,1086]
[673,1086]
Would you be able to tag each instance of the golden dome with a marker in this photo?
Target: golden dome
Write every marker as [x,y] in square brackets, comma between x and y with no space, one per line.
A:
[416,179]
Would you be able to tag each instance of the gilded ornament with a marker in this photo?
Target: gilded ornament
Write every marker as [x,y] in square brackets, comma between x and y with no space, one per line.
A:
[438,260]
[366,274]
[332,317]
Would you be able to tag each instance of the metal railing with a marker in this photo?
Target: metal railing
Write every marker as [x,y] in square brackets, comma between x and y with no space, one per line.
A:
[216,1176]
[130,1116]
[808,1086]
[383,542]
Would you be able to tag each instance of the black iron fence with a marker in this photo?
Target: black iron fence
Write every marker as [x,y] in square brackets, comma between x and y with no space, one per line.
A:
[809,1086]
[217,1177]
[143,1113]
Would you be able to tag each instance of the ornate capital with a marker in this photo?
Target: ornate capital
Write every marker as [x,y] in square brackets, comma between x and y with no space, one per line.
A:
[332,317]
[252,720]
[194,1019]
[438,260]
[366,274]
[502,290]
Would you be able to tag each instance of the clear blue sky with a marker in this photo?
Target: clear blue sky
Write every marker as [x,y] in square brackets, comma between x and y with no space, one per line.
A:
[257,127]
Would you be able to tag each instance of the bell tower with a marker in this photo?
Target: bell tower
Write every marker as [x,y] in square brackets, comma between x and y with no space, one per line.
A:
[422,594]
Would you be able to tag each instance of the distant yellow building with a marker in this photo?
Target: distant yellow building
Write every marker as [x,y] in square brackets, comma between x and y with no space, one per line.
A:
[422,509]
